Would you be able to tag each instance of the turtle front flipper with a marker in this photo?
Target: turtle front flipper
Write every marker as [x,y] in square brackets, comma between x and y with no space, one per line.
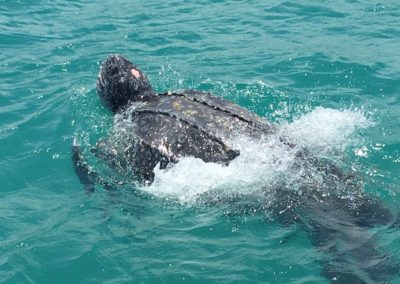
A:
[82,169]
[86,175]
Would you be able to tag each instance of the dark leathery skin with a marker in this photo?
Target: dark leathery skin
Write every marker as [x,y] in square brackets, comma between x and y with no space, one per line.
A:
[181,124]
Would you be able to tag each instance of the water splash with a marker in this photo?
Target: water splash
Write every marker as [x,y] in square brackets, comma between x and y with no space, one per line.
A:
[323,130]
[263,164]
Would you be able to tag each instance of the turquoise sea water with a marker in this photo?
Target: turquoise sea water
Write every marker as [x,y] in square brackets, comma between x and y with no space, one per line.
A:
[327,72]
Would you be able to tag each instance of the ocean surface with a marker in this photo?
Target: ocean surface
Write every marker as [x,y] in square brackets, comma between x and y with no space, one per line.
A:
[327,72]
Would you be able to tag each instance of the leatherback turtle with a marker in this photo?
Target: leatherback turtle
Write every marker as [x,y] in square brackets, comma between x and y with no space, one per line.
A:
[159,129]
[166,127]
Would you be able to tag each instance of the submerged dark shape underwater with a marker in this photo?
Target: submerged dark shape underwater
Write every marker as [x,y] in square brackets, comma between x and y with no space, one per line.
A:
[156,131]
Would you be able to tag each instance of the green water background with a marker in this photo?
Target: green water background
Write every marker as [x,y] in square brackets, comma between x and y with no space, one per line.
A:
[265,55]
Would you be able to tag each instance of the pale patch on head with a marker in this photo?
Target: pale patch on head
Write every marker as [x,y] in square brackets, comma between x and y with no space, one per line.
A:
[135,73]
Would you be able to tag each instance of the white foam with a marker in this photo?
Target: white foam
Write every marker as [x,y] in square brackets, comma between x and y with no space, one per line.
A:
[325,129]
[261,163]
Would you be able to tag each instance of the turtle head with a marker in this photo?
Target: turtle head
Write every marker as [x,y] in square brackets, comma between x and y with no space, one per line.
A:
[120,82]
